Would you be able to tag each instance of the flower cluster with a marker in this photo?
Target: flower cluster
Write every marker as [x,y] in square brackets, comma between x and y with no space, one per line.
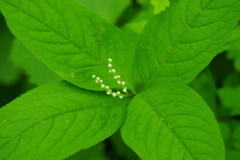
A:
[118,79]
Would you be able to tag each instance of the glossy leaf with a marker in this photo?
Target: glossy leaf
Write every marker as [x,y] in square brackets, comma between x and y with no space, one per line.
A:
[171,121]
[71,40]
[179,42]
[56,120]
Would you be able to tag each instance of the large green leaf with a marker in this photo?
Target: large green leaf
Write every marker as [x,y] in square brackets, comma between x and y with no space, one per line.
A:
[71,40]
[38,73]
[171,121]
[57,120]
[179,42]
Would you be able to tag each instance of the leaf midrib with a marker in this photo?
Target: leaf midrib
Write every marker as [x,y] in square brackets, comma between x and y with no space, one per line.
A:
[56,115]
[166,125]
[174,46]
[52,30]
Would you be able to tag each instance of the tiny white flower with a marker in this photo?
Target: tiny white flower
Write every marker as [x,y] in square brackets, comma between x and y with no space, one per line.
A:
[119,82]
[123,83]
[120,97]
[103,85]
[118,92]
[108,92]
[114,94]
[110,65]
[109,59]
[96,81]
[101,80]
[113,70]
[115,77]
[107,87]
[93,76]
[118,76]
[98,78]
[124,90]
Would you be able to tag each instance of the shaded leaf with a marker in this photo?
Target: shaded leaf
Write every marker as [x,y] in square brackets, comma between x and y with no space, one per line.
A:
[110,10]
[39,74]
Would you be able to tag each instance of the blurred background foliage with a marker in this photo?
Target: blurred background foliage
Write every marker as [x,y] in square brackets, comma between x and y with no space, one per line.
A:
[218,83]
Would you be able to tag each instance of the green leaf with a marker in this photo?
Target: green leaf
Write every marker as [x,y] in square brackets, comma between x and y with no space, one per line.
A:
[160,5]
[226,131]
[178,43]
[57,120]
[38,73]
[232,154]
[110,10]
[71,40]
[233,41]
[234,54]
[9,74]
[229,98]
[206,87]
[171,121]
[94,153]
[121,148]
[236,139]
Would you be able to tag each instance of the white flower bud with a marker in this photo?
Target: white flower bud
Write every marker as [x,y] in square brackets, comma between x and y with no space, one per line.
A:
[93,76]
[103,85]
[107,87]
[114,94]
[113,70]
[118,92]
[108,92]
[120,97]
[110,65]
[118,76]
[96,81]
[109,59]
[119,82]
[110,71]
[124,90]
[98,78]
[123,83]
[115,77]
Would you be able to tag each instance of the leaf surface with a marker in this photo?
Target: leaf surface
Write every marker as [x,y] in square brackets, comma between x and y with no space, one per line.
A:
[159,5]
[171,121]
[110,10]
[71,40]
[229,98]
[179,42]
[57,120]
[9,74]
[38,73]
